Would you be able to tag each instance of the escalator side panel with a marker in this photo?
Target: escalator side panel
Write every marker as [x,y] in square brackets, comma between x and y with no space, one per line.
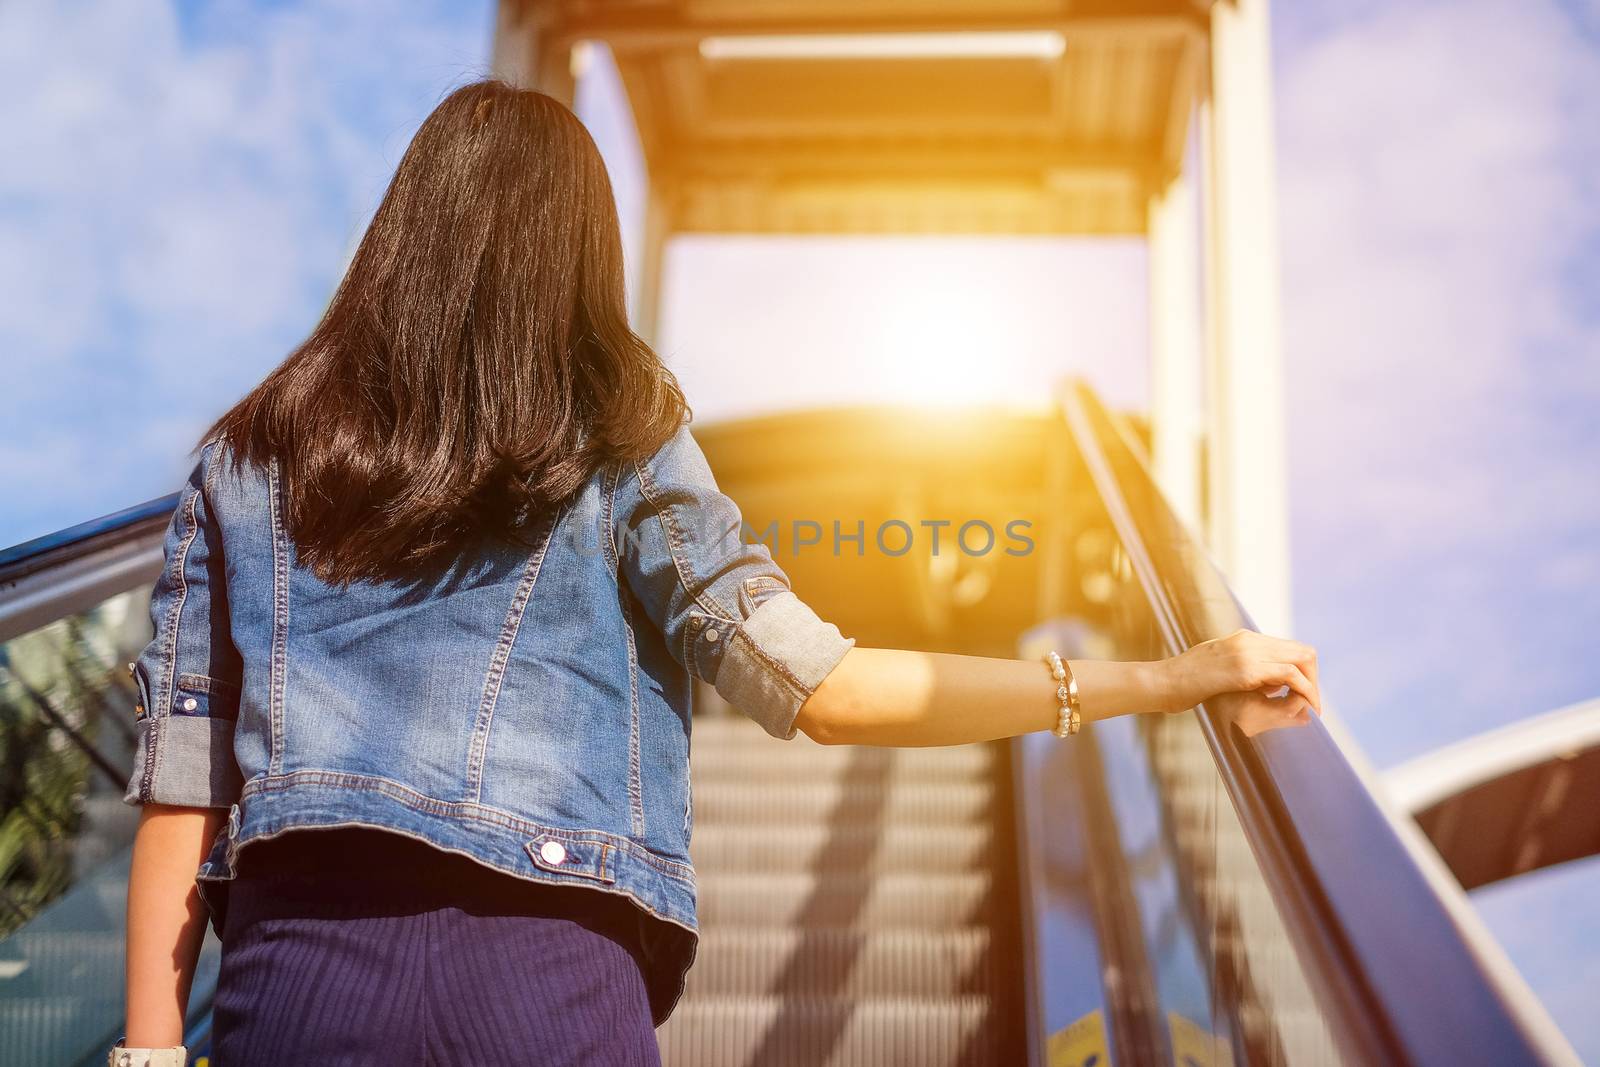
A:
[1307,873]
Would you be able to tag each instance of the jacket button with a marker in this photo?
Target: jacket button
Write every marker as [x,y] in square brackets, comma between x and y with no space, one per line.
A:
[712,635]
[553,853]
[190,704]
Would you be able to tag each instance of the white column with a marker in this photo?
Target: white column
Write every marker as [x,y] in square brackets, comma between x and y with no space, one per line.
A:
[658,224]
[1176,364]
[529,53]
[514,51]
[1246,422]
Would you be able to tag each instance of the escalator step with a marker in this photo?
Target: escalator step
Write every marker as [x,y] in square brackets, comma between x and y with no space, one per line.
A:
[737,730]
[851,910]
[711,727]
[790,801]
[810,846]
[765,763]
[54,1022]
[834,962]
[831,1032]
[62,962]
[846,899]
[719,732]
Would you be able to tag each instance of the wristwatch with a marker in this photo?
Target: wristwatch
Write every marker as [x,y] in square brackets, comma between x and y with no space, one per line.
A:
[122,1056]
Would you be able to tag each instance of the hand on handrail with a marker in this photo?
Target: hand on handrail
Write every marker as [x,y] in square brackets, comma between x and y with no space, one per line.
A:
[1256,681]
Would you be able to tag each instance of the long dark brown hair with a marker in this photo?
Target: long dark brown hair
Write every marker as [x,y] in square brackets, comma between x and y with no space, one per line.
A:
[475,366]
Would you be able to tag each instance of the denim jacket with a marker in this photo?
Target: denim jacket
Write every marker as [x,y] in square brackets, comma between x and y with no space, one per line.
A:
[529,707]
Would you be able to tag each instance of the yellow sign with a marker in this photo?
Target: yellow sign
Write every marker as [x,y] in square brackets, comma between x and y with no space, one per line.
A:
[1080,1044]
[1195,1046]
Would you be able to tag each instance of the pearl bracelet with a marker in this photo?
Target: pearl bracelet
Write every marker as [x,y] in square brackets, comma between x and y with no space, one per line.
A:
[122,1056]
[1070,716]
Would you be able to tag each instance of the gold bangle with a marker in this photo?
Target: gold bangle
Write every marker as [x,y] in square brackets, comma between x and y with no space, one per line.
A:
[1069,717]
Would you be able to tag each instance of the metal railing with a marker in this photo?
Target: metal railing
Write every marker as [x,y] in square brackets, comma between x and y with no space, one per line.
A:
[74,609]
[64,573]
[1398,969]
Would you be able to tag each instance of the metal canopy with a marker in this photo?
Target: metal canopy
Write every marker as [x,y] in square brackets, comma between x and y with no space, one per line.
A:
[1063,124]
[1059,117]
[1513,800]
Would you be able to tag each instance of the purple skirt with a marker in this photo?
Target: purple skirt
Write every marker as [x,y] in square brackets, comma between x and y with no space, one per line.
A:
[365,947]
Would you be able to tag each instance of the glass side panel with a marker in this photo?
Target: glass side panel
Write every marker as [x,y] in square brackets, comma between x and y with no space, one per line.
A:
[1263,998]
[1174,942]
[1060,912]
[1201,879]
[1201,970]
[66,745]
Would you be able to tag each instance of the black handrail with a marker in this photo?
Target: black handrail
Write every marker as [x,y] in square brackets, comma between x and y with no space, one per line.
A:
[1398,978]
[56,575]
[54,548]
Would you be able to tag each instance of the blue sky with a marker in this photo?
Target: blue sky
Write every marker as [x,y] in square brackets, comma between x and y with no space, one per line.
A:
[182,184]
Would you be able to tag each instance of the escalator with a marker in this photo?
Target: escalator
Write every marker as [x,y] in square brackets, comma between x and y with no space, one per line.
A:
[856,905]
[1156,890]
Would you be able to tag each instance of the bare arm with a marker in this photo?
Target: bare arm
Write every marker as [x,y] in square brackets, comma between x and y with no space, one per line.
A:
[878,696]
[166,919]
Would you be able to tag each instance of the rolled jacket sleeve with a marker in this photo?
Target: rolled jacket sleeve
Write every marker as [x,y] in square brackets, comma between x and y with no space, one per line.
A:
[188,676]
[724,606]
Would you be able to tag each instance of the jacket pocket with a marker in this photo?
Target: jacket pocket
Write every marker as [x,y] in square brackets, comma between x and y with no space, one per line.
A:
[141,685]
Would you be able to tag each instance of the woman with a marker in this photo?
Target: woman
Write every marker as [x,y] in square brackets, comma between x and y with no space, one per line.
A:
[437,590]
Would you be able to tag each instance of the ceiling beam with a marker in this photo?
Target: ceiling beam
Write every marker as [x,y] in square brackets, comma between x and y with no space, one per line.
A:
[900,206]
[629,29]
[943,163]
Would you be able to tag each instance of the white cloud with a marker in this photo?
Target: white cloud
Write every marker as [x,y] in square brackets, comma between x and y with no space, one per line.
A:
[177,200]
[1439,211]
[1548,922]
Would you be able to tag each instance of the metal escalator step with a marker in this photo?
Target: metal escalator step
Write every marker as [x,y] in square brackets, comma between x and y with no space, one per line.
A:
[707,727]
[34,1029]
[830,1032]
[735,730]
[845,899]
[711,731]
[753,740]
[789,801]
[875,849]
[730,762]
[851,910]
[63,962]
[843,962]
